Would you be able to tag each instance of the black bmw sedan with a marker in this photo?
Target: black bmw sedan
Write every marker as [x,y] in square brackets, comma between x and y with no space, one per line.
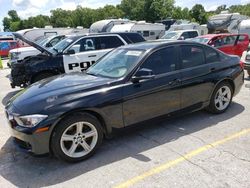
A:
[68,115]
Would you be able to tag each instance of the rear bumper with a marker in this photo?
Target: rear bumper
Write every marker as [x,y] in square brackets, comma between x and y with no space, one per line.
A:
[238,82]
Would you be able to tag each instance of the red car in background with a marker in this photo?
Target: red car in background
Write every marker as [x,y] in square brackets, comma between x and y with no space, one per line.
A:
[6,46]
[234,44]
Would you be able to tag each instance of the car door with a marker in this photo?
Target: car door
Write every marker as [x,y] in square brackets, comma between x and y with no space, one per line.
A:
[155,97]
[241,45]
[226,44]
[88,50]
[195,72]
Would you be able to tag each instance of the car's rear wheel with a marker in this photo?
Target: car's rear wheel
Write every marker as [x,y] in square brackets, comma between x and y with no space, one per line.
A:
[42,76]
[221,98]
[77,137]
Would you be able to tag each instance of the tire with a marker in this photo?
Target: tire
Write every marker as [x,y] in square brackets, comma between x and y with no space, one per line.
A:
[220,103]
[69,144]
[248,72]
[41,76]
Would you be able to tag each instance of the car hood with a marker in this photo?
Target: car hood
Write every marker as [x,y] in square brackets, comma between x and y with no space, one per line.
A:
[23,49]
[56,90]
[40,48]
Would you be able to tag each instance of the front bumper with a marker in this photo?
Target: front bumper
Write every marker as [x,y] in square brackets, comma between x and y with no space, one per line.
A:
[27,139]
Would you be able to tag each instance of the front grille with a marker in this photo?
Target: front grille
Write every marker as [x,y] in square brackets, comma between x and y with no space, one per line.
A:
[17,69]
[11,56]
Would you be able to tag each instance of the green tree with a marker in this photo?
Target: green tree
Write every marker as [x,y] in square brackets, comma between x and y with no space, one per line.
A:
[199,14]
[12,22]
[220,8]
[61,18]
[179,13]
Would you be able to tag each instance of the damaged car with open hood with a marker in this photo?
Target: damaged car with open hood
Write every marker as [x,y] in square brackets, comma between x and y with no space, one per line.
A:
[73,54]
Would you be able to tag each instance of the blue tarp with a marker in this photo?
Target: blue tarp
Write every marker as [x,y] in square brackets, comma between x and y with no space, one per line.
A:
[5,34]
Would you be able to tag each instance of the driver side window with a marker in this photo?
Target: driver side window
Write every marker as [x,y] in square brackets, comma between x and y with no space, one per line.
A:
[161,61]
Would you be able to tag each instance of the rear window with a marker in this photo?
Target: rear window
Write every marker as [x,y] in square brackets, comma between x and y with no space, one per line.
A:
[211,55]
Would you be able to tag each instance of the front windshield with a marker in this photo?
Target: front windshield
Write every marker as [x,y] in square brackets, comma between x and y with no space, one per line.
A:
[61,46]
[171,35]
[116,64]
[200,40]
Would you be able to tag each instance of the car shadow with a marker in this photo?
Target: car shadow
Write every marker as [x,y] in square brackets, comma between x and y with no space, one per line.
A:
[24,170]
[9,96]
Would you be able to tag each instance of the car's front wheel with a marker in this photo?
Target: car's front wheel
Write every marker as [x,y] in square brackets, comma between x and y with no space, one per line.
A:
[76,137]
[221,98]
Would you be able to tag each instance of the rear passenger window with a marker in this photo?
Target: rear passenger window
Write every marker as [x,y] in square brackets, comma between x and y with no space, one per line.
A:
[162,61]
[191,56]
[211,55]
[109,42]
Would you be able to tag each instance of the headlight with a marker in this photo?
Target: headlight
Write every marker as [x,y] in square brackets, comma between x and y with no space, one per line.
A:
[30,120]
[248,57]
[14,55]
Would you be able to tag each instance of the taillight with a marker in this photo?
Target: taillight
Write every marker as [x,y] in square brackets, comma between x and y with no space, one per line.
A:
[242,64]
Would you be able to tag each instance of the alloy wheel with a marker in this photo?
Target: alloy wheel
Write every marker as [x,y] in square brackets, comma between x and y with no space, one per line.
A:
[223,98]
[79,139]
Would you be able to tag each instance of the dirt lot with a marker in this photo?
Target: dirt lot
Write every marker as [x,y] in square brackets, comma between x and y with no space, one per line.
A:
[195,150]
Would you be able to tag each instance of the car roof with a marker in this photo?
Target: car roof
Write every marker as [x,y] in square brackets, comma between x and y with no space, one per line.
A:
[216,35]
[8,41]
[150,45]
[182,30]
[75,37]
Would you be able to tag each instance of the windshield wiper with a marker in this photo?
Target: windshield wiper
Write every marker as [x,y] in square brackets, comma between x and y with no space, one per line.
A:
[92,74]
[55,50]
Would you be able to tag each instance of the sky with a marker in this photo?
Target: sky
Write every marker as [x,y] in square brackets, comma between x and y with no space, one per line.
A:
[27,8]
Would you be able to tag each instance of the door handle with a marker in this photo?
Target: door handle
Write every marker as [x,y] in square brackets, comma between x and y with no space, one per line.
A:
[174,82]
[92,56]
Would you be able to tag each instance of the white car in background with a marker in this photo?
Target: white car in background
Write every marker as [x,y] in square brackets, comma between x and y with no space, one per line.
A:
[19,54]
[246,59]
[180,35]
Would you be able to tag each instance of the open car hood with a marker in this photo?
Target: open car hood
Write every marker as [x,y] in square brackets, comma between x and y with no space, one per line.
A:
[35,45]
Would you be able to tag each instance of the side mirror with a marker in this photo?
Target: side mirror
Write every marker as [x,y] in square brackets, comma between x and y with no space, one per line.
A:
[70,52]
[143,74]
